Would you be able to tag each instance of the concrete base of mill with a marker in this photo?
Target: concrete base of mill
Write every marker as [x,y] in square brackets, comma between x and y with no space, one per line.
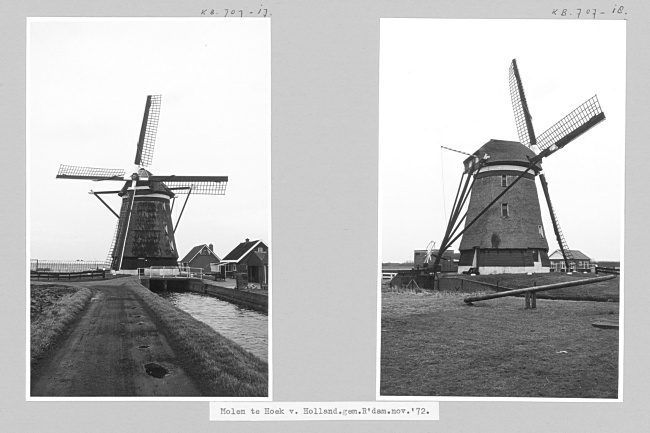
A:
[493,270]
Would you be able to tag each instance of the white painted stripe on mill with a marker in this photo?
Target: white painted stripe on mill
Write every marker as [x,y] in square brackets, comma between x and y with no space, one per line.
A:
[505,168]
[154,195]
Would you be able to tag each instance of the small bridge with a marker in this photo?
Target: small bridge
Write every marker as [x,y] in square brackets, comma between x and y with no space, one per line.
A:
[157,276]
[175,272]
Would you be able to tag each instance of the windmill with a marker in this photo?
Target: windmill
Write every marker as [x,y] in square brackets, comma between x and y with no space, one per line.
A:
[503,229]
[144,235]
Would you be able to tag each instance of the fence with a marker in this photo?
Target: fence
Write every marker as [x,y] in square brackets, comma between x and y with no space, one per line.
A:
[443,282]
[604,270]
[66,265]
[67,275]
[452,284]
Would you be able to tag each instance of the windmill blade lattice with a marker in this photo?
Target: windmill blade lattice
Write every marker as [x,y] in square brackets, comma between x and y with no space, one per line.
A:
[202,185]
[523,119]
[573,125]
[147,139]
[89,173]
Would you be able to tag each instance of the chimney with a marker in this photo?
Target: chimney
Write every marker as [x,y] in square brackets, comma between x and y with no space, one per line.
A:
[211,248]
[247,239]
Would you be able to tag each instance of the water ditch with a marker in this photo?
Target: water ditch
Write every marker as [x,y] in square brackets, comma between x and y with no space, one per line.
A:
[244,326]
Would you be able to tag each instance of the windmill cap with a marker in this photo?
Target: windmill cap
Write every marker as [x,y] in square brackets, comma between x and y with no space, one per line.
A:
[502,151]
[154,187]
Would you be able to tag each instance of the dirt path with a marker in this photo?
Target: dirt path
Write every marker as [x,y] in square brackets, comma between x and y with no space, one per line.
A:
[106,352]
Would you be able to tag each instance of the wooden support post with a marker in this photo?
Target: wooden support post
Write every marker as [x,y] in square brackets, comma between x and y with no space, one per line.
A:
[527,301]
[533,300]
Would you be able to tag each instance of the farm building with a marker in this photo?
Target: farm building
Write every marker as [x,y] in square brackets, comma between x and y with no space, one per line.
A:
[201,256]
[579,263]
[448,263]
[248,262]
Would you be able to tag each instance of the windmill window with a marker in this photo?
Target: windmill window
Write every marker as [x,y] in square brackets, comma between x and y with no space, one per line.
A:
[504,210]
[504,180]
[541,231]
[260,249]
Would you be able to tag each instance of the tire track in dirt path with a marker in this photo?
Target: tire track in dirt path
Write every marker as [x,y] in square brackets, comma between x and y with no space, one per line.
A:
[105,353]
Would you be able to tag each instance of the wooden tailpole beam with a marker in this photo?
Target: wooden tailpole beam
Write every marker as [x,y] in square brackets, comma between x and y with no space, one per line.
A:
[535,289]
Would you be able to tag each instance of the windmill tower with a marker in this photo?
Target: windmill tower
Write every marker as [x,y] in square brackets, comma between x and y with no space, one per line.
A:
[144,235]
[503,230]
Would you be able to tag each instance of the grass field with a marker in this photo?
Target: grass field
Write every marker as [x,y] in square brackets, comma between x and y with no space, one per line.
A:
[432,344]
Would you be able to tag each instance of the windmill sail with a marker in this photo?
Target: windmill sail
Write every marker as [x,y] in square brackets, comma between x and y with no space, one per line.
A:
[573,125]
[147,139]
[559,236]
[89,173]
[205,185]
[523,119]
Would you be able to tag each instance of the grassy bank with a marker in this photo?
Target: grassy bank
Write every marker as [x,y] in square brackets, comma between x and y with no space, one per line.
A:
[54,308]
[432,344]
[218,365]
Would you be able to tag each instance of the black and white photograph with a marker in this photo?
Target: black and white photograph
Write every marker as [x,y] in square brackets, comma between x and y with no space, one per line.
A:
[366,216]
[501,193]
[148,208]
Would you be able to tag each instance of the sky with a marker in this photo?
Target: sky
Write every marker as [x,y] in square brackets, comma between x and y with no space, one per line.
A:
[445,83]
[88,80]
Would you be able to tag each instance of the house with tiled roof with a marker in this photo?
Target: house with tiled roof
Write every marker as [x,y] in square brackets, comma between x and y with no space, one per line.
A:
[580,262]
[248,262]
[201,256]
